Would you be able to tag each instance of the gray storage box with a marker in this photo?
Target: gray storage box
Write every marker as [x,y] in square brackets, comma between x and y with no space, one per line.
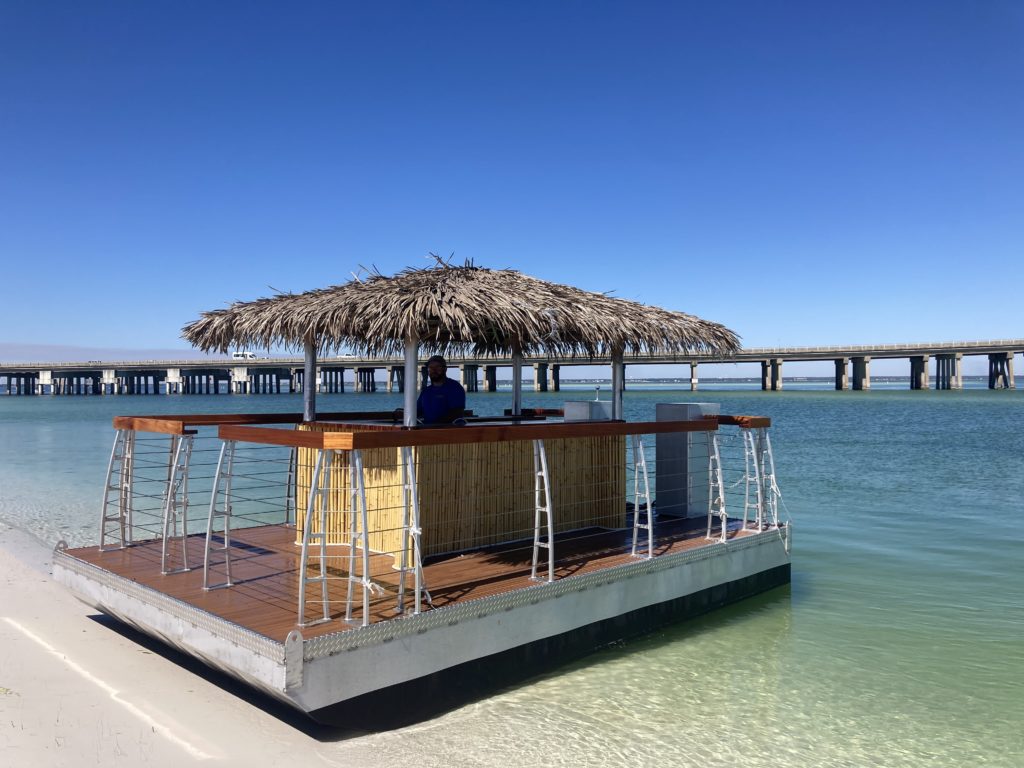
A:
[588,410]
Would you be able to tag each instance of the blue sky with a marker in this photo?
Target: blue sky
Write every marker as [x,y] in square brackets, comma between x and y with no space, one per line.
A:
[806,173]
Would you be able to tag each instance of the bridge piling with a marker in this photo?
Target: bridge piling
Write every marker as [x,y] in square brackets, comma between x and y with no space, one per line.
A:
[1000,371]
[771,375]
[332,380]
[396,378]
[919,372]
[948,371]
[540,377]
[861,373]
[468,376]
[365,380]
[22,384]
[842,379]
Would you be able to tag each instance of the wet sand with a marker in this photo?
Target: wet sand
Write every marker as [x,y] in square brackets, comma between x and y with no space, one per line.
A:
[77,689]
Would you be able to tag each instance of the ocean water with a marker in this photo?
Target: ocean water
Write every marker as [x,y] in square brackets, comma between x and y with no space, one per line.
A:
[899,643]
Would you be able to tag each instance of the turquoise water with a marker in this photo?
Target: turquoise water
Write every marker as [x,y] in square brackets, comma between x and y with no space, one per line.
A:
[899,643]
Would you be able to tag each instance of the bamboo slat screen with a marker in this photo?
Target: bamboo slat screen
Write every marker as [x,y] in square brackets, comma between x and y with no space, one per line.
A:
[383,481]
[473,495]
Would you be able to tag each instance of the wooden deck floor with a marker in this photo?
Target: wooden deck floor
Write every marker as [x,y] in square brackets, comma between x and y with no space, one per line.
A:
[265,567]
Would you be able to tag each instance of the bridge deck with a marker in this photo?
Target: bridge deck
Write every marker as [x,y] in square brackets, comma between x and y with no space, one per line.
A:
[750,354]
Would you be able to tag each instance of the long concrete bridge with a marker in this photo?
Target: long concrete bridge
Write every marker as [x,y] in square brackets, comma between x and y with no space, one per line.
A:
[285,374]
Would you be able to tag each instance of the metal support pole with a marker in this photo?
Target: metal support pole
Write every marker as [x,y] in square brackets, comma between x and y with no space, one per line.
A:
[618,384]
[517,383]
[309,374]
[409,383]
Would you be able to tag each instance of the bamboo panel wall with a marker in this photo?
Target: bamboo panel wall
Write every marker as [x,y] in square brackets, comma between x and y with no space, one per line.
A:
[382,474]
[482,494]
[476,494]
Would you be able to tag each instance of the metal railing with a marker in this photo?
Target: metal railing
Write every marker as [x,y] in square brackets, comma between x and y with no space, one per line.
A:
[371,505]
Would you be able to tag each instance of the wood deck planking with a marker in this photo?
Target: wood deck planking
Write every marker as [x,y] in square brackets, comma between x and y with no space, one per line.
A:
[265,566]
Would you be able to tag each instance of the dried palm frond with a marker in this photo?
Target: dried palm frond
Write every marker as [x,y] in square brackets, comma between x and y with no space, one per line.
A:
[457,309]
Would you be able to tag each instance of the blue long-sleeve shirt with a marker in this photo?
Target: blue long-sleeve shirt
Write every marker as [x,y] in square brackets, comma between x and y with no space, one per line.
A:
[436,403]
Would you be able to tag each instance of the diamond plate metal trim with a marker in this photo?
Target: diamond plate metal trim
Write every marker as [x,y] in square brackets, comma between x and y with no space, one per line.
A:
[337,642]
[244,638]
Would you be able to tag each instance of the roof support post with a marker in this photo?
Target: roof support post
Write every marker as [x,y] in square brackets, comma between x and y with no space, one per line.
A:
[411,377]
[618,383]
[309,387]
[517,381]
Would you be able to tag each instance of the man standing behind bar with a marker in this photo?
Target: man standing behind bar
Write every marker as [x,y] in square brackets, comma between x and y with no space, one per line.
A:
[444,400]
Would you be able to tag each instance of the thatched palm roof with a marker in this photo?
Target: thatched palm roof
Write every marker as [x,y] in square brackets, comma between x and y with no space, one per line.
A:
[458,309]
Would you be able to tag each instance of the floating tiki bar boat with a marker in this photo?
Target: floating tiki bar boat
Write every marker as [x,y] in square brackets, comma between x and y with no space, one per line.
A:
[355,558]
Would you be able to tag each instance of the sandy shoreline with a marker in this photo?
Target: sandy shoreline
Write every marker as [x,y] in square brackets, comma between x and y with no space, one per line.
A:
[75,691]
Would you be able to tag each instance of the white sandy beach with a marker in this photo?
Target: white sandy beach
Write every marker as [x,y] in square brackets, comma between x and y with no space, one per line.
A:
[75,692]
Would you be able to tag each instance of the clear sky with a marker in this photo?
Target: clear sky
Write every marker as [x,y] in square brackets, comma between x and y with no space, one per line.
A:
[804,172]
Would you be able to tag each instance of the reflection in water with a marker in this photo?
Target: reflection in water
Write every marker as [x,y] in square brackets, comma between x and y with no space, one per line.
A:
[671,698]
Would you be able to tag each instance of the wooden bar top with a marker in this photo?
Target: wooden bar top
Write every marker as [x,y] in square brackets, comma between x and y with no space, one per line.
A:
[365,435]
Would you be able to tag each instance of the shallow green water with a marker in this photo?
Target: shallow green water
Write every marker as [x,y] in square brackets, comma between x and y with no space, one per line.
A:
[899,643]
